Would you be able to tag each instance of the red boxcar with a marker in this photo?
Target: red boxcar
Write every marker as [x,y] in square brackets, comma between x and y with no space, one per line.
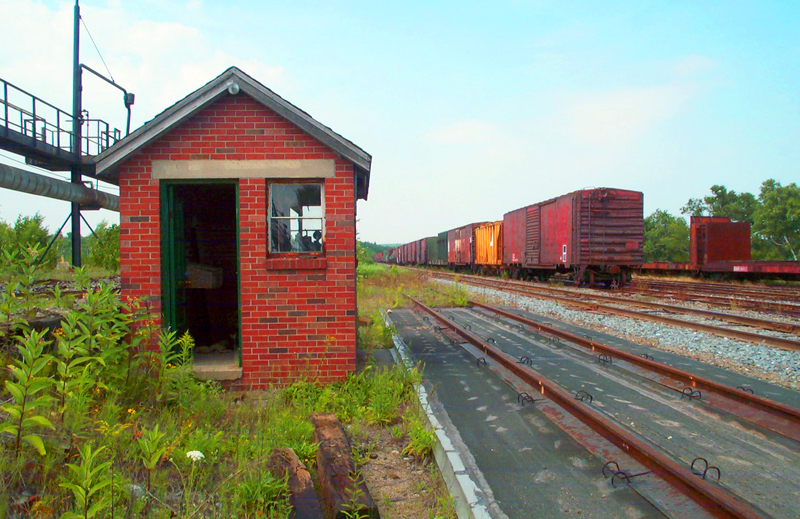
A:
[594,234]
[718,239]
[422,252]
[461,245]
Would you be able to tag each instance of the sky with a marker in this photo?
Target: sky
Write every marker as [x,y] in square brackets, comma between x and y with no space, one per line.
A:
[469,109]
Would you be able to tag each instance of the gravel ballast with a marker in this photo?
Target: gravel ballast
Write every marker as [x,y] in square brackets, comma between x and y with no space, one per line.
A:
[765,362]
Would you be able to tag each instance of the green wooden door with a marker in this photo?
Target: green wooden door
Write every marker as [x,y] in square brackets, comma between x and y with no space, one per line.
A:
[173,258]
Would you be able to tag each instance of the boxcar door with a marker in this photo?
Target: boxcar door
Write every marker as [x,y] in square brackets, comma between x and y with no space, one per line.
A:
[556,220]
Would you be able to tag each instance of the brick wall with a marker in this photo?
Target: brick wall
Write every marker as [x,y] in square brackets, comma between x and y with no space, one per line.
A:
[298,315]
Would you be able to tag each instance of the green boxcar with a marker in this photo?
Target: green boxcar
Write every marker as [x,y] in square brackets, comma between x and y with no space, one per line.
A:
[437,249]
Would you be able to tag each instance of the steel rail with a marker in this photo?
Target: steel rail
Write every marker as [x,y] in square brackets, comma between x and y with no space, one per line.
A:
[771,415]
[789,292]
[779,301]
[736,319]
[721,293]
[777,307]
[777,342]
[717,501]
[777,304]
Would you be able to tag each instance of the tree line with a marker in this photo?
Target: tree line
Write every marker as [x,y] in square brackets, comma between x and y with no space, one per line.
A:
[100,249]
[774,217]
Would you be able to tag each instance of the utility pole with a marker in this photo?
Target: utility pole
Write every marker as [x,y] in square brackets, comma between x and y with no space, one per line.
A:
[77,120]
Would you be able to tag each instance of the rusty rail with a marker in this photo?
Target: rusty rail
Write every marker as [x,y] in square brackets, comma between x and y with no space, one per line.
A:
[778,302]
[772,415]
[717,501]
[546,293]
[787,293]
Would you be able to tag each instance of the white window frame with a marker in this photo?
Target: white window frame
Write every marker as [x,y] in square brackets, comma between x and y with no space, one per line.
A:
[321,184]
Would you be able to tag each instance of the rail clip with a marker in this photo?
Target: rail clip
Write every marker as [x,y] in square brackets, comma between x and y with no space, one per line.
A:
[606,359]
[525,397]
[584,396]
[617,473]
[706,469]
[691,394]
[646,356]
[482,359]
[745,389]
[525,360]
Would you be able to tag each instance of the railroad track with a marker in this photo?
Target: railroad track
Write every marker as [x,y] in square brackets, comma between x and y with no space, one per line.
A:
[785,292]
[780,300]
[618,387]
[613,305]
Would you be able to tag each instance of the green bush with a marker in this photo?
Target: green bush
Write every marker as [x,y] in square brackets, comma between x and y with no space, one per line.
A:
[103,248]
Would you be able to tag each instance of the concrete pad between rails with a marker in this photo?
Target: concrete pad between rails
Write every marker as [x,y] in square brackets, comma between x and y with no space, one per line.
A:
[721,375]
[507,460]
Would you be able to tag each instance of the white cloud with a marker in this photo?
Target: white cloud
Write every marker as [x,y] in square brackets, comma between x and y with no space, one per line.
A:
[161,62]
[620,116]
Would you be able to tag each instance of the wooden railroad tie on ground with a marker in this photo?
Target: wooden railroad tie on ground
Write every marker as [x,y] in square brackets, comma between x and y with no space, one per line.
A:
[303,496]
[343,489]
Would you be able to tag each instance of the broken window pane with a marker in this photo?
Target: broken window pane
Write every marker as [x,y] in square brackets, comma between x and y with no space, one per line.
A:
[296,218]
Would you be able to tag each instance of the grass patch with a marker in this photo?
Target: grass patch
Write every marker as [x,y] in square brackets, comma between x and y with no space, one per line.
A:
[95,424]
[381,287]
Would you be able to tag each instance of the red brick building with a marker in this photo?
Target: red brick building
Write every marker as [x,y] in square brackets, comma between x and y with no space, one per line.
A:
[238,216]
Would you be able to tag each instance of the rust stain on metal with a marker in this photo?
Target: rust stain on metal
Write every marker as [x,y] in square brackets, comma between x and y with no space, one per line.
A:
[717,501]
[568,298]
[772,415]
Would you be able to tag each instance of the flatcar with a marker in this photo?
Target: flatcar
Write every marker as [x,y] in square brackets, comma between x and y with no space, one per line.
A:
[720,248]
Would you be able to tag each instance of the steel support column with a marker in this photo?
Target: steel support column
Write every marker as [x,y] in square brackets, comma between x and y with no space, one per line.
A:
[77,121]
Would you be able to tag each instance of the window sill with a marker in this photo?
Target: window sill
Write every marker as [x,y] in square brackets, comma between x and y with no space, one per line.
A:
[294,263]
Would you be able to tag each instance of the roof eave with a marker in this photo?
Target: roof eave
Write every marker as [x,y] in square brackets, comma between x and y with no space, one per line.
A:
[107,163]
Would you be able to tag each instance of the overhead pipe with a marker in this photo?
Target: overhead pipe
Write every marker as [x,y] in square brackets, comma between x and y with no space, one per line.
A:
[35,184]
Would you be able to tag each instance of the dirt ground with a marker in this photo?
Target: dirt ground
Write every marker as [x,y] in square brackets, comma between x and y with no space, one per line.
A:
[401,486]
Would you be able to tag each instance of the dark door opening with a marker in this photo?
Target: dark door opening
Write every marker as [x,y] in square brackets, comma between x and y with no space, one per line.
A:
[200,262]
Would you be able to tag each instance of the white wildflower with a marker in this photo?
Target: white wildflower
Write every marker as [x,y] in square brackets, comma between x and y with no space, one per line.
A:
[195,455]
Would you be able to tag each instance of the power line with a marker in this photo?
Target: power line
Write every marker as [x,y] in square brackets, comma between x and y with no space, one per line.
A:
[98,50]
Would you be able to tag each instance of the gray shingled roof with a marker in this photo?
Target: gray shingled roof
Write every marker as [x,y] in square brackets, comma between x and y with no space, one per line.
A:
[108,162]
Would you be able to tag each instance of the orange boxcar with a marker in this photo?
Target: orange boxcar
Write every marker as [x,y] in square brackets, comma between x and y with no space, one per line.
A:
[489,244]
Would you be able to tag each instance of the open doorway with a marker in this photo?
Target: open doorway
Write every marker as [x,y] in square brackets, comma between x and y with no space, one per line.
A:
[200,275]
